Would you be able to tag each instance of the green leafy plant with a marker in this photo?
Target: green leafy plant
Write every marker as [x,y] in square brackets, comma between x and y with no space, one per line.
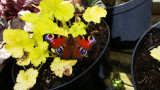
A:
[29,48]
[117,83]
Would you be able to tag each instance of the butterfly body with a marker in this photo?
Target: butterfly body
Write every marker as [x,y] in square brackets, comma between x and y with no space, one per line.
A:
[69,47]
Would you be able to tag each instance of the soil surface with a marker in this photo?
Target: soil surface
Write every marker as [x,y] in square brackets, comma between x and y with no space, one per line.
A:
[146,68]
[45,78]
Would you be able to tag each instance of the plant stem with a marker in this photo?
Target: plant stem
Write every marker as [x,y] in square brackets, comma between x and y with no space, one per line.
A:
[87,25]
[24,67]
[91,2]
[65,25]
[40,66]
[53,56]
[56,21]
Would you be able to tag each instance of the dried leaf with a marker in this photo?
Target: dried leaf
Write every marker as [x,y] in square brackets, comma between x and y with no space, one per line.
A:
[16,23]
[3,53]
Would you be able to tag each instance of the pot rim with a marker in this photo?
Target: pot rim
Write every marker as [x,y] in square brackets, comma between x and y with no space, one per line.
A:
[121,8]
[135,50]
[107,43]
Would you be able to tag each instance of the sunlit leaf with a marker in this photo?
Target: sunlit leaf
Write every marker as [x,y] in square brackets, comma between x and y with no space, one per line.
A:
[58,66]
[61,10]
[17,41]
[39,54]
[26,79]
[78,29]
[94,14]
[44,28]
[155,53]
[64,12]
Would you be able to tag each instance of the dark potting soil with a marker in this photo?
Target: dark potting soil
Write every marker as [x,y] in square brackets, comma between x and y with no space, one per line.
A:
[45,77]
[146,68]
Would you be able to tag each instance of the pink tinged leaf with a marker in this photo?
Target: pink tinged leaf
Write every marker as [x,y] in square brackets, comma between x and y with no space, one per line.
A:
[36,1]
[16,23]
[1,9]
[27,2]
[4,1]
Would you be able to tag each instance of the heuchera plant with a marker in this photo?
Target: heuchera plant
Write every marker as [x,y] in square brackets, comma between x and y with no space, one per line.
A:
[31,49]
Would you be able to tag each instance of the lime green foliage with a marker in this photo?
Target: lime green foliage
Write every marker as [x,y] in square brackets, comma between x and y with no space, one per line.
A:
[155,53]
[17,41]
[44,28]
[78,29]
[58,66]
[94,14]
[32,18]
[117,83]
[26,79]
[58,8]
[39,54]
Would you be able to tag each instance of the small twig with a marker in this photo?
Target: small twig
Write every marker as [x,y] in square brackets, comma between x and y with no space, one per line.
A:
[153,46]
[2,45]
[24,67]
[142,80]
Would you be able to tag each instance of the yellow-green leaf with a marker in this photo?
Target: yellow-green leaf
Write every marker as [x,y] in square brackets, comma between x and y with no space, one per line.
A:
[17,41]
[64,12]
[44,28]
[39,54]
[58,66]
[49,6]
[26,79]
[155,53]
[77,29]
[61,10]
[94,14]
[31,18]
[62,32]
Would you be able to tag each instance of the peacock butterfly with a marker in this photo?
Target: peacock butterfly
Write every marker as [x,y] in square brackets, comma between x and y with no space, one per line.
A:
[69,47]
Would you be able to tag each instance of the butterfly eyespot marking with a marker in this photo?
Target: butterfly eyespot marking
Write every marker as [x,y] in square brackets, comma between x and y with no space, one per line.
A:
[50,36]
[91,39]
[59,50]
[83,51]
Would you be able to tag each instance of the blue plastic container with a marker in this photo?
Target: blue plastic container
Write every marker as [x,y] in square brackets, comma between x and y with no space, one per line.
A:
[128,22]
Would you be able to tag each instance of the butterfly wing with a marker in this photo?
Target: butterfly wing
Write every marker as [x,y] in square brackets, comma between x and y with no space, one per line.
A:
[55,40]
[86,42]
[70,48]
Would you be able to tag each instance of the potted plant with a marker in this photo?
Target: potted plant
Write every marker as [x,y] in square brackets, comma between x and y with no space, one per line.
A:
[144,65]
[51,54]
[126,20]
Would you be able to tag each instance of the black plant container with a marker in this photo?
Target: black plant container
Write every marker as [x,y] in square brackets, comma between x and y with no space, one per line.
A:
[128,22]
[147,42]
[93,78]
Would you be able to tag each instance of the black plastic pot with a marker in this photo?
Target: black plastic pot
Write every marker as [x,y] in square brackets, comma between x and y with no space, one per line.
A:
[148,45]
[128,22]
[91,79]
